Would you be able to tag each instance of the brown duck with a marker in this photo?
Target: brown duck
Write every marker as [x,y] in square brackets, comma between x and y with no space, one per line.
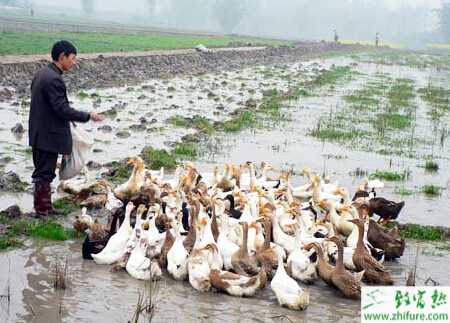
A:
[324,269]
[388,240]
[242,262]
[267,256]
[363,260]
[168,243]
[347,283]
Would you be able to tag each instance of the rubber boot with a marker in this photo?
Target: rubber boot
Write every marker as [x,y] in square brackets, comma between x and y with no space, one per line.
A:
[40,199]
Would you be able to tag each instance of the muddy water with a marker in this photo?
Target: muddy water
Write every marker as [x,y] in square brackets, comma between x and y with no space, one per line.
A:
[95,292]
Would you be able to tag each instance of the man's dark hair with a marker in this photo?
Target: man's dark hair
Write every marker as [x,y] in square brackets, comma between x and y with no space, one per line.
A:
[63,46]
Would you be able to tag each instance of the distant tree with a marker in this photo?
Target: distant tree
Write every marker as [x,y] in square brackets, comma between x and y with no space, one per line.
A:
[229,13]
[88,7]
[444,20]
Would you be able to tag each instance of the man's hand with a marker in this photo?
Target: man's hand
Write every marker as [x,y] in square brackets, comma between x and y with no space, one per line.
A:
[96,117]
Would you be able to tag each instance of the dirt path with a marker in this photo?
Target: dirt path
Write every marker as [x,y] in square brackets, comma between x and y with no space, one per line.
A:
[12,59]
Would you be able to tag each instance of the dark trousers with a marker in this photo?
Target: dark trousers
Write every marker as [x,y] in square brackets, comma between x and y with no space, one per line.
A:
[44,165]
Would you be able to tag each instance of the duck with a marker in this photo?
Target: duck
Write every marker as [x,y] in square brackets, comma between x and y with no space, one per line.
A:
[232,211]
[226,247]
[237,285]
[95,201]
[137,179]
[392,245]
[226,183]
[112,202]
[289,294]
[363,260]
[82,222]
[324,269]
[301,264]
[242,262]
[116,246]
[348,284]
[155,238]
[139,266]
[287,242]
[177,256]
[267,255]
[169,240]
[385,209]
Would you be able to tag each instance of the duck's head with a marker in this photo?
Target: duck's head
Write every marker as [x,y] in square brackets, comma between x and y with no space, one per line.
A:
[129,208]
[306,171]
[324,205]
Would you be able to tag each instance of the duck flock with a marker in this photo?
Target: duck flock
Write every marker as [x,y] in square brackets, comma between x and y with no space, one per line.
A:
[239,229]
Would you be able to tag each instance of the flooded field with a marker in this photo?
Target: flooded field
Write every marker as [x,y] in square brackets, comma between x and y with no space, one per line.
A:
[355,116]
[96,292]
[349,125]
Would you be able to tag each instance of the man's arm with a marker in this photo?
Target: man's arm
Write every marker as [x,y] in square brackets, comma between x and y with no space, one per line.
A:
[57,97]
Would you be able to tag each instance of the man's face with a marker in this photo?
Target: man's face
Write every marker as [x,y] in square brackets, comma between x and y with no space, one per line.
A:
[67,61]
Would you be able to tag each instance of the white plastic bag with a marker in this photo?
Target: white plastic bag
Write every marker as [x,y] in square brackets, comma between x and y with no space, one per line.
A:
[82,143]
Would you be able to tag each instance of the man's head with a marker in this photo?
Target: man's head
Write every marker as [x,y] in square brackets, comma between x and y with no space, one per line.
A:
[64,55]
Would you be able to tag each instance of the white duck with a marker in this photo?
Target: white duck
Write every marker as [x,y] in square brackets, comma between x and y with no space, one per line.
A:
[177,257]
[116,246]
[112,202]
[139,266]
[226,247]
[299,263]
[284,240]
[288,292]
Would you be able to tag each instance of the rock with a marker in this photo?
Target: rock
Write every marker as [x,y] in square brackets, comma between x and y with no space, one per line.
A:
[142,120]
[171,89]
[18,128]
[105,128]
[93,165]
[123,134]
[138,127]
[10,181]
[142,97]
[220,108]
[12,212]
[191,138]
[97,150]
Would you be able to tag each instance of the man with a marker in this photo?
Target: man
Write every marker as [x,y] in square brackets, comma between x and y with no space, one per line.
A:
[49,123]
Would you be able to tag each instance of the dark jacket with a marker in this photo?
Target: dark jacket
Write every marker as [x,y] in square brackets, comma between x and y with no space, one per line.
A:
[50,112]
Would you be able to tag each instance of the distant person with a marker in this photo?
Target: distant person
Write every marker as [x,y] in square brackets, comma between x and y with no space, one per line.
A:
[377,39]
[49,123]
[31,12]
[336,36]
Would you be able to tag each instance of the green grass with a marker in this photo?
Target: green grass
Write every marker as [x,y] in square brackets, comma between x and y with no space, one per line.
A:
[431,190]
[242,120]
[82,95]
[394,120]
[401,94]
[403,191]
[200,123]
[390,176]
[431,166]
[9,242]
[46,229]
[121,172]
[415,231]
[157,158]
[12,43]
[330,77]
[67,205]
[185,150]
